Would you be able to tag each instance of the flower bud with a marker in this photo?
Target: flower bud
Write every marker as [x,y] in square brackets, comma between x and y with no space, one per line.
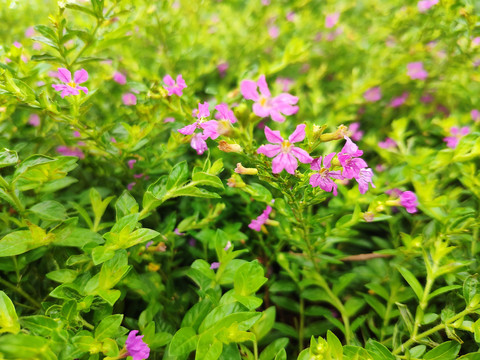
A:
[341,131]
[245,171]
[368,216]
[236,181]
[226,147]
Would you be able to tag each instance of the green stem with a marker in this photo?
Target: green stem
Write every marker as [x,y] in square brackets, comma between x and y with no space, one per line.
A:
[255,349]
[11,193]
[21,292]
[301,325]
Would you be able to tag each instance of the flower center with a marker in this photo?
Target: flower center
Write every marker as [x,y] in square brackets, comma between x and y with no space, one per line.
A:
[286,146]
[72,84]
[323,172]
[263,100]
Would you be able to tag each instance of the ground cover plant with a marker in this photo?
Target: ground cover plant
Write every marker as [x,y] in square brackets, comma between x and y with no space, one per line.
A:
[239,179]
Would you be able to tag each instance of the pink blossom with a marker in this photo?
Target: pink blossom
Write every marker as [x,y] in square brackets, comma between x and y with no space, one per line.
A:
[222,68]
[285,83]
[228,246]
[29,32]
[113,140]
[475,114]
[265,2]
[424,5]
[364,178]
[373,94]
[40,83]
[24,58]
[168,119]
[409,201]
[148,244]
[177,232]
[350,160]
[256,224]
[476,41]
[17,45]
[37,46]
[388,143]
[332,35]
[264,104]
[8,60]
[224,113]
[457,134]
[273,31]
[215,265]
[325,178]
[331,20]
[70,151]
[202,111]
[119,78]
[131,163]
[71,87]
[285,154]
[192,242]
[129,99]
[174,87]
[354,128]
[135,346]
[427,98]
[138,176]
[34,120]
[290,16]
[400,100]
[131,185]
[416,71]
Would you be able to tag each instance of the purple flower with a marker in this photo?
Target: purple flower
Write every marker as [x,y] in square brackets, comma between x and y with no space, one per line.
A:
[457,134]
[135,346]
[129,99]
[285,83]
[70,151]
[399,101]
[475,114]
[273,31]
[131,185]
[349,159]
[256,224]
[408,200]
[119,78]
[215,265]
[373,94]
[364,178]
[17,45]
[168,120]
[285,154]
[222,68]
[332,20]
[265,105]
[224,113]
[416,71]
[356,133]
[228,246]
[174,87]
[34,120]
[29,32]
[290,16]
[71,87]
[424,5]
[177,232]
[131,163]
[388,143]
[324,177]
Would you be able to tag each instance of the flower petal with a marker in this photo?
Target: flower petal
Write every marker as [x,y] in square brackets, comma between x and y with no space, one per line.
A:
[269,150]
[301,155]
[273,136]
[276,116]
[327,160]
[298,135]
[198,143]
[64,75]
[262,85]
[80,76]
[316,164]
[189,129]
[210,129]
[167,79]
[248,88]
[260,111]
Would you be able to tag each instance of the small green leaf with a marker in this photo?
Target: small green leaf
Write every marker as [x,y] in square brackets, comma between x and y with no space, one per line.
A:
[8,158]
[183,342]
[412,281]
[470,288]
[8,315]
[108,327]
[248,278]
[273,349]
[49,210]
[178,176]
[446,351]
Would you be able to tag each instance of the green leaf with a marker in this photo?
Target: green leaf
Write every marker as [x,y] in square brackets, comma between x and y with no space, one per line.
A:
[8,315]
[446,351]
[8,158]
[406,316]
[21,346]
[113,270]
[178,176]
[108,327]
[125,205]
[69,310]
[17,243]
[204,179]
[49,210]
[378,351]
[194,192]
[183,342]
[62,275]
[412,281]
[265,324]
[47,32]
[470,288]
[80,8]
[208,348]
[39,324]
[271,351]
[335,346]
[249,278]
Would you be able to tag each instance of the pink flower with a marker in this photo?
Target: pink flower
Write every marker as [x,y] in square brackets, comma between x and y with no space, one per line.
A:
[457,134]
[265,105]
[373,94]
[399,101]
[34,120]
[131,163]
[29,32]
[290,16]
[174,87]
[135,346]
[265,2]
[131,185]
[37,46]
[409,201]
[129,99]
[119,78]
[138,176]
[7,60]
[70,151]
[332,20]
[476,41]
[424,5]
[427,98]
[388,143]
[71,87]
[324,177]
[475,114]
[17,45]
[285,154]
[228,246]
[349,159]
[215,265]
[222,68]
[273,31]
[209,129]
[285,83]
[416,71]
[177,232]
[168,120]
[256,224]
[356,133]
[364,178]
[224,113]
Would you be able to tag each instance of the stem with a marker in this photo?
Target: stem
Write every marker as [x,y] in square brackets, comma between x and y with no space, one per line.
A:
[255,349]
[301,325]
[11,192]
[21,292]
